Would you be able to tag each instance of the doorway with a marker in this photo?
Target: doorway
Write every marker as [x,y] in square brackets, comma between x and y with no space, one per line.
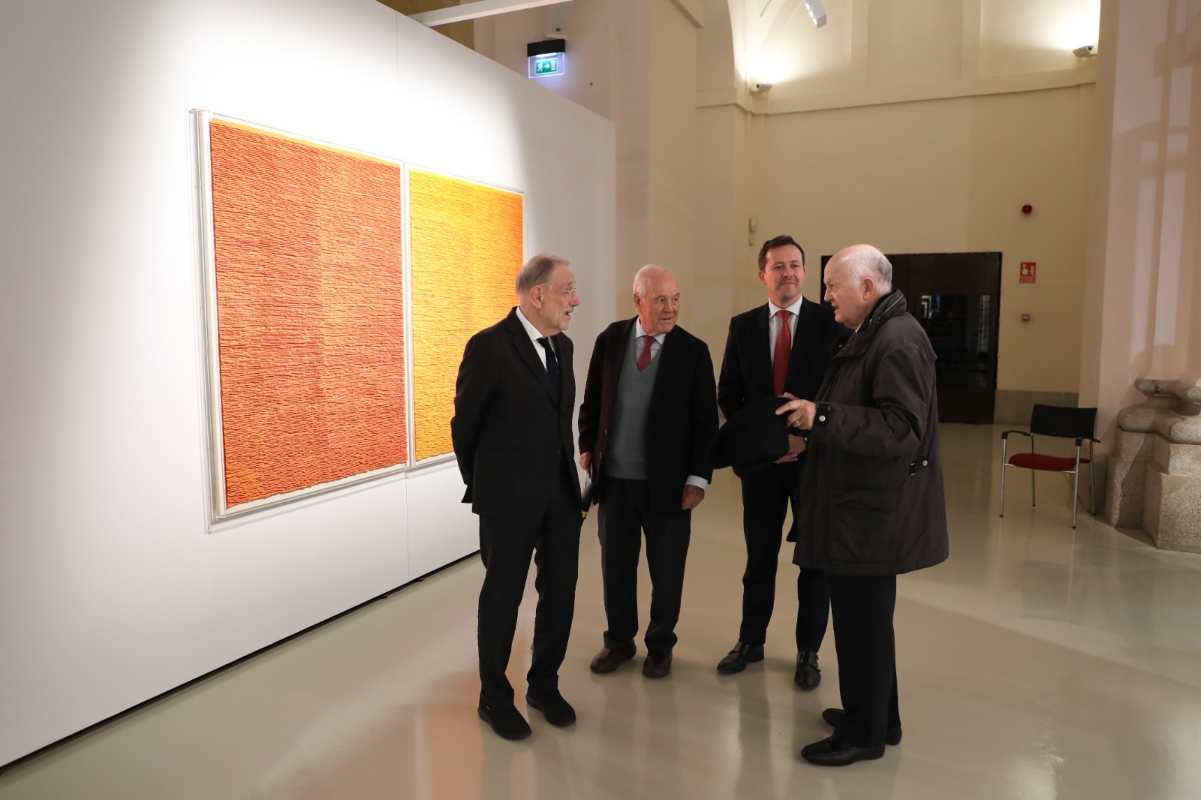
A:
[957,299]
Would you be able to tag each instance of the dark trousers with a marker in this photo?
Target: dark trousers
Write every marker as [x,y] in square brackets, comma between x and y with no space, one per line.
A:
[765,497]
[625,512]
[867,672]
[506,547]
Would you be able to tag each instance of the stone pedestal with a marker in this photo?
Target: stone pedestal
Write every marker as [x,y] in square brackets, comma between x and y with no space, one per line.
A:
[1154,480]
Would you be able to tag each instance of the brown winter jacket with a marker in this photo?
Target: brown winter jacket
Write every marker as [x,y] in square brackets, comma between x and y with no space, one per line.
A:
[871,494]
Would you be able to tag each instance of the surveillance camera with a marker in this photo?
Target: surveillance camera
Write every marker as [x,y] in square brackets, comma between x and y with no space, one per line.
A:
[1085,51]
[759,87]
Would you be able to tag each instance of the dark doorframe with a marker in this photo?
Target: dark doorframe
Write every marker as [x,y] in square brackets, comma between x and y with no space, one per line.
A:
[957,299]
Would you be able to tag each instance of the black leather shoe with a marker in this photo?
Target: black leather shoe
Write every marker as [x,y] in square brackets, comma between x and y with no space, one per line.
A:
[505,720]
[610,658]
[737,659]
[657,665]
[808,673]
[833,718]
[558,712]
[833,753]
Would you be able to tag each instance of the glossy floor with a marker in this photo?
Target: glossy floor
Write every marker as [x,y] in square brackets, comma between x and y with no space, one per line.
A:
[1037,663]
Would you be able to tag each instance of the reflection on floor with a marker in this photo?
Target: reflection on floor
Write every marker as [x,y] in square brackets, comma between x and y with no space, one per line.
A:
[1037,663]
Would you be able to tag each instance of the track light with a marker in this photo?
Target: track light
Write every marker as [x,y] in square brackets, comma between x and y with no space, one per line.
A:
[817,12]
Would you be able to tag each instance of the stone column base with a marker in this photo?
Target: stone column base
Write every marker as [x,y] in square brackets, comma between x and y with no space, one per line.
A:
[1154,480]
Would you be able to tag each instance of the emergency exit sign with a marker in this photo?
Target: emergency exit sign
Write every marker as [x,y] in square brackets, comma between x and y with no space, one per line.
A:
[548,65]
[1028,272]
[548,58]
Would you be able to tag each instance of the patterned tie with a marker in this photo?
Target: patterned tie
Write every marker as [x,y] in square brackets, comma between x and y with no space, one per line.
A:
[644,358]
[783,351]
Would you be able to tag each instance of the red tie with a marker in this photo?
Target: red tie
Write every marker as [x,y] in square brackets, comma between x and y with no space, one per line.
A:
[779,363]
[644,358]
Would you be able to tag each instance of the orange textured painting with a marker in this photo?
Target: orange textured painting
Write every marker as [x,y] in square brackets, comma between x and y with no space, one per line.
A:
[466,246]
[310,312]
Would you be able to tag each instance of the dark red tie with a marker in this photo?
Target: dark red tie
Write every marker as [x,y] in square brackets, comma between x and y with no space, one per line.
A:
[644,358]
[779,362]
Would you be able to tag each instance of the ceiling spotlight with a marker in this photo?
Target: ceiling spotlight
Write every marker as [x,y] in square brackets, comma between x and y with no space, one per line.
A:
[817,12]
[1085,51]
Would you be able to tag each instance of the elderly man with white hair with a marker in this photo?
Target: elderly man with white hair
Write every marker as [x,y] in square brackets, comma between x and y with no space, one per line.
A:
[870,504]
[648,417]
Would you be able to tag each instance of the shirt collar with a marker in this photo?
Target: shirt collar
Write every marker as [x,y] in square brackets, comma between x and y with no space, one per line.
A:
[530,330]
[639,332]
[795,308]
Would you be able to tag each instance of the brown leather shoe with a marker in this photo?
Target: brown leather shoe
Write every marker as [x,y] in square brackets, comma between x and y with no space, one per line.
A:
[657,665]
[610,658]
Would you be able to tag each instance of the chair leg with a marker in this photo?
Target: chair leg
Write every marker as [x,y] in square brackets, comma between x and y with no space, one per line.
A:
[1076,485]
[1004,469]
[1075,493]
[1033,474]
[1092,494]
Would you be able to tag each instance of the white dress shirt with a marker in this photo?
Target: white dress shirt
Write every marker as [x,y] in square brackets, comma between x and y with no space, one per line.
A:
[656,346]
[534,335]
[773,324]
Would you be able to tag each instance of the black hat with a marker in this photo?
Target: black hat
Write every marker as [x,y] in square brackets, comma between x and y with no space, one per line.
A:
[753,438]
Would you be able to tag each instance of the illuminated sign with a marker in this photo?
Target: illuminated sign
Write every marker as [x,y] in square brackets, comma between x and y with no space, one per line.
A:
[547,58]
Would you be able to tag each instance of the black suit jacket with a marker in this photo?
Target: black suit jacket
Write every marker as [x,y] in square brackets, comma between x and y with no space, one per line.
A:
[514,445]
[682,419]
[746,367]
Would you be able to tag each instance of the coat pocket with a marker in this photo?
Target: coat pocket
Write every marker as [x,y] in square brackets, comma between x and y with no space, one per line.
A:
[863,526]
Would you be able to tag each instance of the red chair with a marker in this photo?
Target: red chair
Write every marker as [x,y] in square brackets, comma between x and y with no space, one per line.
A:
[1058,421]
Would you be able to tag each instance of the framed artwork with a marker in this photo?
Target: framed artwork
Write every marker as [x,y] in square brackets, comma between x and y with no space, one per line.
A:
[466,246]
[340,290]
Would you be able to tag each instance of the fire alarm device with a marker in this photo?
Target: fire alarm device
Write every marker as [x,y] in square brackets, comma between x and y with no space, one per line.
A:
[1028,272]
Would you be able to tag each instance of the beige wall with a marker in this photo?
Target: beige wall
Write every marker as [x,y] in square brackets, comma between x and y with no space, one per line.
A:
[919,126]
[940,176]
[634,62]
[1144,273]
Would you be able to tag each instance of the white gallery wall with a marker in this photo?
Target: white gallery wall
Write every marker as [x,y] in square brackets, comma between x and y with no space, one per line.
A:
[113,585]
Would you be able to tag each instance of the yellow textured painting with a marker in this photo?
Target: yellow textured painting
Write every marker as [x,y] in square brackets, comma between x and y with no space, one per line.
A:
[310,312]
[467,244]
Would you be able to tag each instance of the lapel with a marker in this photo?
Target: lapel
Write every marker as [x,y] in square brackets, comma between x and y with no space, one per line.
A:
[807,332]
[616,347]
[669,356]
[525,352]
[562,344]
[761,350]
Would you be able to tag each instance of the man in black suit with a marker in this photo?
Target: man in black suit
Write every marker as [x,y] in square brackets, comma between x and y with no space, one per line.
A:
[648,417]
[512,437]
[783,346]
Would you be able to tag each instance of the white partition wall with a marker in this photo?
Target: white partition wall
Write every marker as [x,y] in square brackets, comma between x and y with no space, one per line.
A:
[113,586]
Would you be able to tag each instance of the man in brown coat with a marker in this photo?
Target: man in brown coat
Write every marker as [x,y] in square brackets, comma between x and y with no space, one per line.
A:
[871,502]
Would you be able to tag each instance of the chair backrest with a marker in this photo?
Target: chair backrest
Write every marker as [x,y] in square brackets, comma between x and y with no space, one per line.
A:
[1063,421]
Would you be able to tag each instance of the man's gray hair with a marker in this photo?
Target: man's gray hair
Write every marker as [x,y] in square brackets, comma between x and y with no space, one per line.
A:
[643,276]
[870,262]
[537,271]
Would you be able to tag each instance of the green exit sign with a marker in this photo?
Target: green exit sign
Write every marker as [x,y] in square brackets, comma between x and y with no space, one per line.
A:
[547,65]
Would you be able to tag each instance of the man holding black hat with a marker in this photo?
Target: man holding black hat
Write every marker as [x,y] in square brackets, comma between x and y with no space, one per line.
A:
[783,346]
[871,503]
